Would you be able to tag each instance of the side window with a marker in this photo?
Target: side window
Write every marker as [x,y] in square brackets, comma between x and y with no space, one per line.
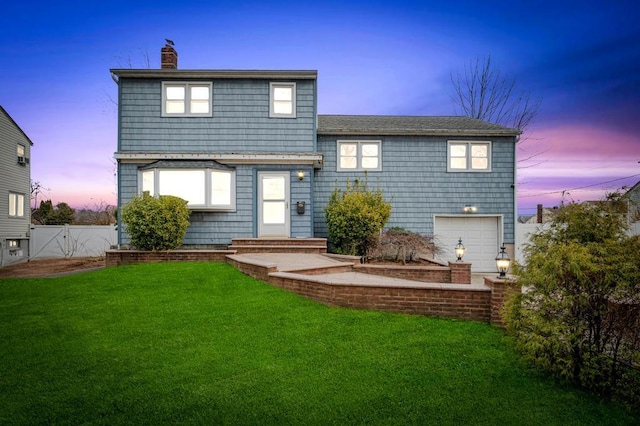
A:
[16,204]
[463,156]
[282,100]
[21,154]
[359,156]
[186,99]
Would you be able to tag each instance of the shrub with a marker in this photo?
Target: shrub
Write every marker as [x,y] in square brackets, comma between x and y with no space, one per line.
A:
[355,218]
[156,223]
[399,244]
[580,313]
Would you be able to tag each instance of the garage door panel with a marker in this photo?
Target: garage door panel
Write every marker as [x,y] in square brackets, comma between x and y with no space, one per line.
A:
[480,235]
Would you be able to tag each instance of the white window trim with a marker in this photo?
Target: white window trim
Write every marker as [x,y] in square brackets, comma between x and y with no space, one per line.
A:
[272,87]
[469,144]
[187,101]
[21,152]
[18,205]
[207,188]
[359,144]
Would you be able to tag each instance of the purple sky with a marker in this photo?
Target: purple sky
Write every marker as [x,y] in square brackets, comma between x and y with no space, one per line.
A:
[373,57]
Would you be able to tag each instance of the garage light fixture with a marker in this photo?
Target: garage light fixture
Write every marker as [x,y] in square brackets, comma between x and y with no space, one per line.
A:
[503,263]
[460,250]
[470,209]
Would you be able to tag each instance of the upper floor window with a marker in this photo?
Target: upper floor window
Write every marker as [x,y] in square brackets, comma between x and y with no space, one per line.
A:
[282,102]
[359,155]
[203,188]
[21,153]
[16,204]
[186,99]
[469,156]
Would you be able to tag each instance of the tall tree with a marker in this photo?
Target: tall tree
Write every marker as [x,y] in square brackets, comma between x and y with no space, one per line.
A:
[36,190]
[481,91]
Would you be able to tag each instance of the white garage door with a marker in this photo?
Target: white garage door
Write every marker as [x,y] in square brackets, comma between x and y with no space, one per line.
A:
[480,235]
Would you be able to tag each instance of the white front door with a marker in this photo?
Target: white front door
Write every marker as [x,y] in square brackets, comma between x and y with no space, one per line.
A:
[273,204]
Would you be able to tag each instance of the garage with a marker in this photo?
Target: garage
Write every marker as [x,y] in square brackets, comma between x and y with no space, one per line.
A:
[481,235]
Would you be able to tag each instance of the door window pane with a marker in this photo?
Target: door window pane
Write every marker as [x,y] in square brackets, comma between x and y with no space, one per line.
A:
[273,212]
[273,188]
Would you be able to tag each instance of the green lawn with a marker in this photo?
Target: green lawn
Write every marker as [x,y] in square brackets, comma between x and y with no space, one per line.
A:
[201,343]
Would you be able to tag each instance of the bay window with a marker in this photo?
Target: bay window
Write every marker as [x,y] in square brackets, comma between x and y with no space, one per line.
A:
[204,186]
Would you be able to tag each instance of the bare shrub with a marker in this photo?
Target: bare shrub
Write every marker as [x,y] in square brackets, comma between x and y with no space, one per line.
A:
[400,245]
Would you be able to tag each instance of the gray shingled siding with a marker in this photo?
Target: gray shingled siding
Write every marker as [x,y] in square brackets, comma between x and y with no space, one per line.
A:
[414,179]
[218,228]
[240,120]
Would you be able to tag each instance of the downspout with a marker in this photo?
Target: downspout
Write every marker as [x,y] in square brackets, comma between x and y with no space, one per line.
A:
[516,240]
[115,78]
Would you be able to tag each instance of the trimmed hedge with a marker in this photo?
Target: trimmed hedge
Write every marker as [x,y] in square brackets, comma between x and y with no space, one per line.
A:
[156,223]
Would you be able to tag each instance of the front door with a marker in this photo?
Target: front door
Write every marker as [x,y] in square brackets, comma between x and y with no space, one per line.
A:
[273,204]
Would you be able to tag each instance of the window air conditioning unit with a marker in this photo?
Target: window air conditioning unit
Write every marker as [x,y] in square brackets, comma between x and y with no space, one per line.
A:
[21,160]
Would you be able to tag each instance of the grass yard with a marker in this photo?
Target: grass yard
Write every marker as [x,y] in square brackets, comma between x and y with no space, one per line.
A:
[201,343]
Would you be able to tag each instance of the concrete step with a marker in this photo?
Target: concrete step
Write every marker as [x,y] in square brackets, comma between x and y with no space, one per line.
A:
[279,245]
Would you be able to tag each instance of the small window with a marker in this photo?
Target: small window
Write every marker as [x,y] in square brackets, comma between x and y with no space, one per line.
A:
[13,244]
[186,99]
[20,151]
[359,155]
[282,102]
[205,189]
[469,156]
[16,205]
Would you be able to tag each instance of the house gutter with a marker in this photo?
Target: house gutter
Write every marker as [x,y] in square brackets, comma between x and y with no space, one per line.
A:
[313,159]
[429,132]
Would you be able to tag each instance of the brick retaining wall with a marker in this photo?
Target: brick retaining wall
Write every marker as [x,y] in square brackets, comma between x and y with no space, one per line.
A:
[462,301]
[128,257]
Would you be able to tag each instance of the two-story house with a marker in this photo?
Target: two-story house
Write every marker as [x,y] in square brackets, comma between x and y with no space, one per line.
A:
[15,190]
[253,158]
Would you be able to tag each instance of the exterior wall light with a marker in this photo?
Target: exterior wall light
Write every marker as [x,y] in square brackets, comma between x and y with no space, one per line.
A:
[470,209]
[503,263]
[300,174]
[460,250]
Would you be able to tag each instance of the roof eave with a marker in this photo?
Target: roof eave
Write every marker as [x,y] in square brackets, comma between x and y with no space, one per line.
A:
[434,132]
[217,74]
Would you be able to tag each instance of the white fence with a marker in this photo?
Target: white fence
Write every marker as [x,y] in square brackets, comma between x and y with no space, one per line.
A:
[66,241]
[523,230]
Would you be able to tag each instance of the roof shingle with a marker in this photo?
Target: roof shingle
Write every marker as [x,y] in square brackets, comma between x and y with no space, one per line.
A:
[408,125]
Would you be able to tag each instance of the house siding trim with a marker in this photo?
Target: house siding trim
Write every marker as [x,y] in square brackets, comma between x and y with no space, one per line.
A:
[231,158]
[216,74]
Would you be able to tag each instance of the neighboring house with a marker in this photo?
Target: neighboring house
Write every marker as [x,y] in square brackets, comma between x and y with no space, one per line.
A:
[15,190]
[632,196]
[249,152]
[543,215]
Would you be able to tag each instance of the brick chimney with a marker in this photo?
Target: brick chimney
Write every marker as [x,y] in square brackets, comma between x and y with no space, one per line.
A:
[169,57]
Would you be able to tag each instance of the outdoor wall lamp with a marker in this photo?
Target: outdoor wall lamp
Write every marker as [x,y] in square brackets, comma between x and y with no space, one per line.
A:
[460,249]
[502,263]
[470,209]
[300,174]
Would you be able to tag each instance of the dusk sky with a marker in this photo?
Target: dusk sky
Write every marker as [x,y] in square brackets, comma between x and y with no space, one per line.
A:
[582,58]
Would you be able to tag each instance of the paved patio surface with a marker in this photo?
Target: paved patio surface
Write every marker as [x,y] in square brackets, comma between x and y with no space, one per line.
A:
[292,262]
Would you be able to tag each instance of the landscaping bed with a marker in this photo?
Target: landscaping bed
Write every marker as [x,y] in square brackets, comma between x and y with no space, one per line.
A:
[50,267]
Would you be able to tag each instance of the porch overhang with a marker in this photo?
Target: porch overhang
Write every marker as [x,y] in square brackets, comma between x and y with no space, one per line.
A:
[313,159]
